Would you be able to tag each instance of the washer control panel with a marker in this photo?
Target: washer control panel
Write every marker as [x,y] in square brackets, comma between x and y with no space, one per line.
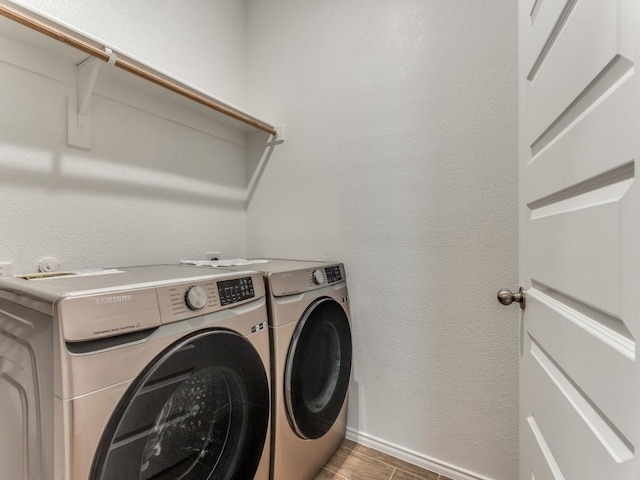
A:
[236,290]
[203,296]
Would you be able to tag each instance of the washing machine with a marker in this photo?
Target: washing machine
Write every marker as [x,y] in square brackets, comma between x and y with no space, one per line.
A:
[309,322]
[157,372]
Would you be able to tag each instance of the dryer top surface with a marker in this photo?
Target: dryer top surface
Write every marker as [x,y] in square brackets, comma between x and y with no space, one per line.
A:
[292,277]
[280,265]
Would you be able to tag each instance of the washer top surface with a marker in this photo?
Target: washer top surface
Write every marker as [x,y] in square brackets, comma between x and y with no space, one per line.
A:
[123,278]
[128,299]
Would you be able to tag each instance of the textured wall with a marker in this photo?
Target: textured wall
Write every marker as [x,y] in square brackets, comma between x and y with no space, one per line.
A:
[401,161]
[150,190]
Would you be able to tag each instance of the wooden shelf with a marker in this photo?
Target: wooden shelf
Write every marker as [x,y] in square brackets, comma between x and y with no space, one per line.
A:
[74,47]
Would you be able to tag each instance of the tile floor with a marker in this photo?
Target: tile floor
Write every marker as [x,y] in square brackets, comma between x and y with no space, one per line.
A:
[354,461]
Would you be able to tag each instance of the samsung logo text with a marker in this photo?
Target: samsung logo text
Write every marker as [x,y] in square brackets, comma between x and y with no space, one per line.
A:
[114,299]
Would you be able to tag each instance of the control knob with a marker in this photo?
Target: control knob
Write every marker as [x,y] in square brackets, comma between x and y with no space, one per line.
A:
[195,298]
[318,277]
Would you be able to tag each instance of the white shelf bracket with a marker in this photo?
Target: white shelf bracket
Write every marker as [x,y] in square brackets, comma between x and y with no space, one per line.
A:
[278,138]
[79,108]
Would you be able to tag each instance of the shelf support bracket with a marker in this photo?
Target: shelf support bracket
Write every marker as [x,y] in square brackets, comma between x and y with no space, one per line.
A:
[79,108]
[278,138]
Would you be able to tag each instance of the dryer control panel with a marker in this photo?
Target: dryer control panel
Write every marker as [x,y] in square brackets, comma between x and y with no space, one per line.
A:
[333,274]
[304,280]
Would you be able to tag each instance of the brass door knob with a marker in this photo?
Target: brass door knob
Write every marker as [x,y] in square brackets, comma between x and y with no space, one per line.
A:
[507,297]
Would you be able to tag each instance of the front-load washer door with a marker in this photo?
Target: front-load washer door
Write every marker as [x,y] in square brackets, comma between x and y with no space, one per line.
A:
[318,368]
[199,411]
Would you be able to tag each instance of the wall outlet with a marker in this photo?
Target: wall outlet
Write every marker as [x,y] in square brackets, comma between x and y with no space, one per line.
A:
[6,269]
[215,255]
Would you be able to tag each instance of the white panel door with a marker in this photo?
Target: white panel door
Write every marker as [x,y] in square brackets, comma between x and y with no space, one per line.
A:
[579,239]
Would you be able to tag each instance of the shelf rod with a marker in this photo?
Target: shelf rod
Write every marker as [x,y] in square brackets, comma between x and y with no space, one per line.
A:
[131,67]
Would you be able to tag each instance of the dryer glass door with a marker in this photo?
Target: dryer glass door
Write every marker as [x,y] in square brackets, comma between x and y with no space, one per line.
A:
[199,411]
[318,368]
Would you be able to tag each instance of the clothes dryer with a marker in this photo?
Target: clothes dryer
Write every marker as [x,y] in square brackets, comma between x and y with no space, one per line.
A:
[142,373]
[309,321]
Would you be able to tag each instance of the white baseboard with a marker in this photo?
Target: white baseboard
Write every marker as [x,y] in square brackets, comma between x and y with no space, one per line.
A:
[437,466]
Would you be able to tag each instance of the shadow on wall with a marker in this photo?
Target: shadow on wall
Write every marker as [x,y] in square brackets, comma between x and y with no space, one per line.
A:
[136,185]
[257,159]
[65,174]
[141,145]
[355,403]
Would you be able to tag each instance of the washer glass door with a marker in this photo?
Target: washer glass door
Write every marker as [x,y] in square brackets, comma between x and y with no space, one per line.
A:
[199,411]
[318,368]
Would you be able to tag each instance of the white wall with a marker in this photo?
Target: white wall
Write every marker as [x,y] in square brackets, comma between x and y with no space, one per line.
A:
[159,184]
[401,161]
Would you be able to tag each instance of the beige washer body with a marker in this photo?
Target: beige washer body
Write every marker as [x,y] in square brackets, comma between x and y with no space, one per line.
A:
[70,348]
[293,288]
